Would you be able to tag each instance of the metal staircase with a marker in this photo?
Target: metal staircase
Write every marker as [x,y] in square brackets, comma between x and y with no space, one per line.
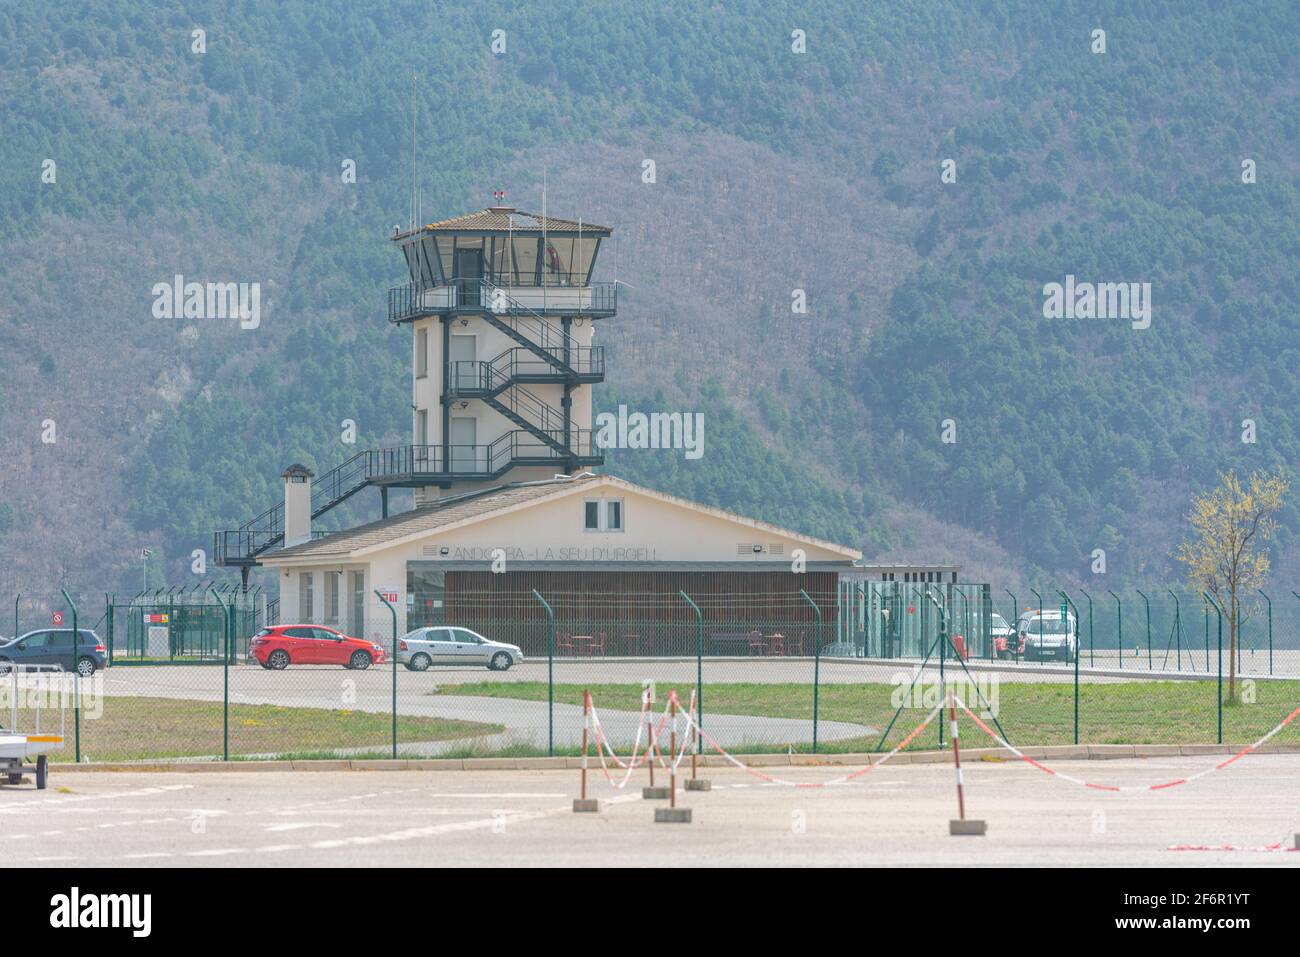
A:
[530,329]
[545,353]
[496,382]
[500,390]
[406,466]
[239,546]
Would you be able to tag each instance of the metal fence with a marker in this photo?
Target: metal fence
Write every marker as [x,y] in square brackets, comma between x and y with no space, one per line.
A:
[853,671]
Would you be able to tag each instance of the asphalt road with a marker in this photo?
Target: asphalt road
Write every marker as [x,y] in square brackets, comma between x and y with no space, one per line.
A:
[895,816]
[525,722]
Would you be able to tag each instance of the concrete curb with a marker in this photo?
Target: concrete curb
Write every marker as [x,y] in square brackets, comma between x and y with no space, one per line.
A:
[1086,752]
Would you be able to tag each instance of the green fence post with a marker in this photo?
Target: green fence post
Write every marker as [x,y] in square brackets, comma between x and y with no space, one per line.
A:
[1119,625]
[1218,611]
[1013,621]
[550,673]
[1041,657]
[965,619]
[1270,630]
[817,663]
[76,672]
[1092,644]
[225,680]
[698,717]
[1070,603]
[232,624]
[1147,602]
[392,611]
[16,598]
[108,610]
[941,636]
[1178,631]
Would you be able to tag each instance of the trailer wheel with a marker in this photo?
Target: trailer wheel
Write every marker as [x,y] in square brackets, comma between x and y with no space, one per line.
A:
[42,771]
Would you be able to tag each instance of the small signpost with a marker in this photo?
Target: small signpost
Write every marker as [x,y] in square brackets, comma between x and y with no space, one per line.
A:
[57,618]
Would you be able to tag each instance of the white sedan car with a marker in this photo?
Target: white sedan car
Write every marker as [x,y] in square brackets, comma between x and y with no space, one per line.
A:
[446,645]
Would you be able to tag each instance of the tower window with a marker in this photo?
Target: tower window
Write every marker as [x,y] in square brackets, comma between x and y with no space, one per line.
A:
[601,515]
[421,353]
[305,596]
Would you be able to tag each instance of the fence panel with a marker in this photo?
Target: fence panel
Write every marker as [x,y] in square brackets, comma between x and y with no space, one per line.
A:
[853,670]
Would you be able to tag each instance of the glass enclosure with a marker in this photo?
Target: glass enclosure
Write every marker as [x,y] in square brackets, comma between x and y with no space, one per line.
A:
[503,259]
[425,591]
[888,619]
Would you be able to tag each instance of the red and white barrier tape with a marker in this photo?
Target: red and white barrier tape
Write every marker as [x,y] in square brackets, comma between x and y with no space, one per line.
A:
[685,739]
[1161,786]
[842,779]
[1264,848]
[603,746]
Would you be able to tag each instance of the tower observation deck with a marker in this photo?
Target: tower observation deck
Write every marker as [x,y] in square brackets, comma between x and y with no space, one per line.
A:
[501,311]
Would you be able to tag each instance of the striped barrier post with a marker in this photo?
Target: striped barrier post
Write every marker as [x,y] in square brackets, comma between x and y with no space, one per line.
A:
[960,826]
[696,783]
[672,814]
[653,792]
[584,804]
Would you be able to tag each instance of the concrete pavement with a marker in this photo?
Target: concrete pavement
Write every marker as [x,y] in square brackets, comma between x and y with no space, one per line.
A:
[895,816]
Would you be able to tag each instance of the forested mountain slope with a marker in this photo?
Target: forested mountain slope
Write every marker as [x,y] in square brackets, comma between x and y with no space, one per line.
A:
[776,171]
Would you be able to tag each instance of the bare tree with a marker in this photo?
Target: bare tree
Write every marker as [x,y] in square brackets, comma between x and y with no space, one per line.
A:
[1225,555]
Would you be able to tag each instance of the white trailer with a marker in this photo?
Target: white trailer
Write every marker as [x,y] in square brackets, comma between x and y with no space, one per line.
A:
[33,692]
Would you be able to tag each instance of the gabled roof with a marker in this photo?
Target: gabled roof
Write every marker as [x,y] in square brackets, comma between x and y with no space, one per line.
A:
[452,510]
[502,219]
[460,510]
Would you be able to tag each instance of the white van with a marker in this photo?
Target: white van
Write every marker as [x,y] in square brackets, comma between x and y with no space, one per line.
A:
[1045,635]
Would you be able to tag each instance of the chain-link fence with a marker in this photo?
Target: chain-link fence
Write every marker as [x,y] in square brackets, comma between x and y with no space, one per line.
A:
[195,675]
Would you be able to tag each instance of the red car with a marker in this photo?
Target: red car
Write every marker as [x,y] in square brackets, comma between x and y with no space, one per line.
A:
[277,647]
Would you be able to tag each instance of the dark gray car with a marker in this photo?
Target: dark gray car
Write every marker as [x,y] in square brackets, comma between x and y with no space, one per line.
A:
[54,646]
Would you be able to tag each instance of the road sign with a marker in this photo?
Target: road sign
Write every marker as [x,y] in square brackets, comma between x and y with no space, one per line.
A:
[1065,610]
[57,617]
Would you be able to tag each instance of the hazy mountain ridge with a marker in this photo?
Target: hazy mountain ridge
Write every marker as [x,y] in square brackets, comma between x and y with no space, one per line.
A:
[775,172]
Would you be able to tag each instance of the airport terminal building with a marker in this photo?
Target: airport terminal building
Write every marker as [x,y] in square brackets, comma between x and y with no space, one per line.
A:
[501,312]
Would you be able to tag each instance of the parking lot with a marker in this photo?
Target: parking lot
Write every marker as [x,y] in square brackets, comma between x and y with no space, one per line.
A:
[896,816]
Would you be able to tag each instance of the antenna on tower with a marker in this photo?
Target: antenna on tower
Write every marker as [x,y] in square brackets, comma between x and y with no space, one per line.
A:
[413,210]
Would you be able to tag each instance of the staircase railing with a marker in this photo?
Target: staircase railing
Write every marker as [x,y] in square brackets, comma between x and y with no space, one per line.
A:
[479,379]
[407,300]
[410,463]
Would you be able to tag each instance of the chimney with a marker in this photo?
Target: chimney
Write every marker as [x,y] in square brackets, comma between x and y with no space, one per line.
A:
[297,504]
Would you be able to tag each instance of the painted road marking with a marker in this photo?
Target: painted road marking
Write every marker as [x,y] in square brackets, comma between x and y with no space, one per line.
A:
[58,802]
[299,825]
